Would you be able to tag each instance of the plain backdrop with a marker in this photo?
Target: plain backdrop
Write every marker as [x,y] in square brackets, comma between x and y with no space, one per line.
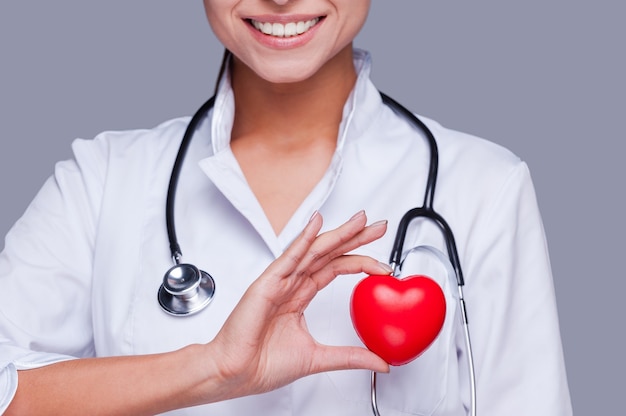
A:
[544,78]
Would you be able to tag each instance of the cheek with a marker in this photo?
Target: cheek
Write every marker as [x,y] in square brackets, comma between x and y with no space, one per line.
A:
[356,10]
[219,16]
[352,16]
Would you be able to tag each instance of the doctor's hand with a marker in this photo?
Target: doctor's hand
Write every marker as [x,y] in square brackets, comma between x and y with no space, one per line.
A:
[265,343]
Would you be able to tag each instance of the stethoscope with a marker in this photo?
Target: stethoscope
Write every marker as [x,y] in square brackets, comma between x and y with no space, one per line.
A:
[187,290]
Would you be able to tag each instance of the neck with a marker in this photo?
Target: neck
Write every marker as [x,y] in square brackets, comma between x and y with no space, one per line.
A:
[296,112]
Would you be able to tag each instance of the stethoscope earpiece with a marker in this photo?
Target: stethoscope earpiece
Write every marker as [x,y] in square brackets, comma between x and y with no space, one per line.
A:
[185,290]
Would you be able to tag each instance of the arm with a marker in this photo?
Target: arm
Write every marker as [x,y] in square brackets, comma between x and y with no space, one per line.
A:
[263,345]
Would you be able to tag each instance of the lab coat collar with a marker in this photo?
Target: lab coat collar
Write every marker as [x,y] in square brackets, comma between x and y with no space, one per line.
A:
[359,113]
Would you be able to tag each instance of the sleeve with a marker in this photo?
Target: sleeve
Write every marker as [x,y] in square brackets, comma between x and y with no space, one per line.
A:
[45,270]
[512,310]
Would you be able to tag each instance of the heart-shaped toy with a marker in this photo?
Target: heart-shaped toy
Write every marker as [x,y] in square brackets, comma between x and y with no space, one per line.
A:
[397,319]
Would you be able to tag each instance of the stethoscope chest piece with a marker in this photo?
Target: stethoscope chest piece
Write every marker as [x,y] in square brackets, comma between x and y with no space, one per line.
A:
[185,290]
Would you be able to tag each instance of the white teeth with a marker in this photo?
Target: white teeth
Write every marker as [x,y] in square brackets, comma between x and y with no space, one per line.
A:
[278,30]
[290,30]
[284,31]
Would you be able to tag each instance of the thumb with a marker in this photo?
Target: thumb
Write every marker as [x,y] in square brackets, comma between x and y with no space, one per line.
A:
[330,358]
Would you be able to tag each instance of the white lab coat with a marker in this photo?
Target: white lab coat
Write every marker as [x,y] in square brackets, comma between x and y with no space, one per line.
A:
[81,268]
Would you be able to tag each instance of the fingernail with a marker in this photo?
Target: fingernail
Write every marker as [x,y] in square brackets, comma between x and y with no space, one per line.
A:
[379,223]
[358,215]
[385,267]
[315,214]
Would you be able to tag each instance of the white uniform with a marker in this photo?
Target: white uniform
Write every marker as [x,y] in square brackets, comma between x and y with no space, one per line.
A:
[81,268]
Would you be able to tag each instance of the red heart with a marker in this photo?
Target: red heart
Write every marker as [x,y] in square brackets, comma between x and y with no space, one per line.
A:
[397,319]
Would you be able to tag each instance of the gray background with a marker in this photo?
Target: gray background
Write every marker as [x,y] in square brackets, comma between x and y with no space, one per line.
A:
[543,78]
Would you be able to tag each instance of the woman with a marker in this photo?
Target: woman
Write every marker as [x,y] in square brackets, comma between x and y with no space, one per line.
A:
[297,133]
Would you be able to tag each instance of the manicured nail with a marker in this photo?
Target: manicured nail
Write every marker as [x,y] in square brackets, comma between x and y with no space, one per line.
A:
[315,214]
[379,223]
[357,215]
[385,267]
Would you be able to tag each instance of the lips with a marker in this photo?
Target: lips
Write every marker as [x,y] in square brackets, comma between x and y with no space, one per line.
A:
[284,30]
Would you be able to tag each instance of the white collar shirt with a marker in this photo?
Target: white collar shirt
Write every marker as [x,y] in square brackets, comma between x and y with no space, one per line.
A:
[81,268]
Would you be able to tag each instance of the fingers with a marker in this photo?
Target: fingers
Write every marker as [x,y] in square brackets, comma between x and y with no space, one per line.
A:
[347,237]
[348,264]
[344,239]
[329,242]
[295,254]
[311,253]
[370,233]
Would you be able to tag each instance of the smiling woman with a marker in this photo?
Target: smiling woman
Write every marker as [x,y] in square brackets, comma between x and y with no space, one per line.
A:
[275,180]
[327,28]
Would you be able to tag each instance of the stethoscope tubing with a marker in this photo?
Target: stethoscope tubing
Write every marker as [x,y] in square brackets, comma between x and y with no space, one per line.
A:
[395,260]
[427,211]
[202,112]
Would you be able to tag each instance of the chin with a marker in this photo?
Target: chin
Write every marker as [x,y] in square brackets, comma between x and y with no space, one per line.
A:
[278,78]
[286,72]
